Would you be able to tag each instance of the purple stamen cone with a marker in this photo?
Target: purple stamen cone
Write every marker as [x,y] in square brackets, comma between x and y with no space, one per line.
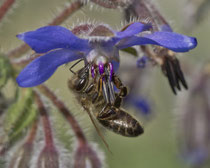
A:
[101,68]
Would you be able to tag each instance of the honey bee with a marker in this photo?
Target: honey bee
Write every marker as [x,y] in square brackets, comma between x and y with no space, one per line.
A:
[93,86]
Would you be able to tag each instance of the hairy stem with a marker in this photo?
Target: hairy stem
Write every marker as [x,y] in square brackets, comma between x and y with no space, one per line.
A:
[5,7]
[156,14]
[73,7]
[66,113]
[83,147]
[32,132]
[45,121]
[24,62]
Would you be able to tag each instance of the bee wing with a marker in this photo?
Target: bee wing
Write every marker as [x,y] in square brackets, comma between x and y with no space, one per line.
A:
[97,129]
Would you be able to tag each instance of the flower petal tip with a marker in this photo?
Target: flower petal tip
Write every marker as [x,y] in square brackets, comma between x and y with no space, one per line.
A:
[21,83]
[20,36]
[193,43]
[26,82]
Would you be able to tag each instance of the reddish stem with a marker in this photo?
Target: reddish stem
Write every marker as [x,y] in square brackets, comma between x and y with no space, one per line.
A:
[73,7]
[157,13]
[26,61]
[83,145]
[5,7]
[32,132]
[45,121]
[112,4]
[18,51]
[65,111]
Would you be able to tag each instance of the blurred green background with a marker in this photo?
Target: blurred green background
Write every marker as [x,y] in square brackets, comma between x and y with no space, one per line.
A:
[158,146]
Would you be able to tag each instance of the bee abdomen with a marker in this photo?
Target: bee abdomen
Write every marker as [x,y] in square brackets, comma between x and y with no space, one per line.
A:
[123,124]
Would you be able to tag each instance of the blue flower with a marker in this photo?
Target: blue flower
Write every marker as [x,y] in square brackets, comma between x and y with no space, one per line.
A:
[141,62]
[195,157]
[62,46]
[141,104]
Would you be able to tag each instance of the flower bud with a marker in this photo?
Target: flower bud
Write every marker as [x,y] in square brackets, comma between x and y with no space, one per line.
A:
[48,158]
[88,153]
[21,158]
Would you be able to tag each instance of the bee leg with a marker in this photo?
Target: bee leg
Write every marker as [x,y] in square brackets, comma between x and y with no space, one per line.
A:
[89,88]
[94,97]
[70,69]
[123,89]
[118,101]
[98,91]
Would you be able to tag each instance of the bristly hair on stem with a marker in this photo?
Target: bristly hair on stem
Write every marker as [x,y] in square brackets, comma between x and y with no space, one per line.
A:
[65,111]
[22,157]
[7,4]
[45,120]
[49,156]
[83,146]
[112,4]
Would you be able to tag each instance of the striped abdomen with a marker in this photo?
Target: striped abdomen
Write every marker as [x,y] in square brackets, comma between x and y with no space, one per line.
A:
[121,123]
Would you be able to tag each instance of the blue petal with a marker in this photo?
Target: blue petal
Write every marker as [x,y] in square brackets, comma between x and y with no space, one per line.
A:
[133,29]
[141,62]
[196,156]
[166,28]
[116,65]
[173,41]
[43,67]
[53,37]
[142,105]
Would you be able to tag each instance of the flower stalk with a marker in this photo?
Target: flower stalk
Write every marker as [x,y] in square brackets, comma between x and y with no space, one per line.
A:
[65,111]
[84,150]
[45,121]
[22,156]
[7,4]
[24,62]
[112,4]
[49,157]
